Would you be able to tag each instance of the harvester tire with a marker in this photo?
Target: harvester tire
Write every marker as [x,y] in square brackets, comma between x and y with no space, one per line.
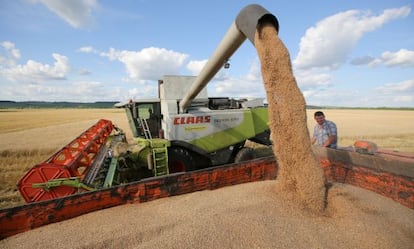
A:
[245,154]
[179,160]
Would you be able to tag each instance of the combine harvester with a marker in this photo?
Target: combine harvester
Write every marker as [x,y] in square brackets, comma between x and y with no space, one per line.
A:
[185,142]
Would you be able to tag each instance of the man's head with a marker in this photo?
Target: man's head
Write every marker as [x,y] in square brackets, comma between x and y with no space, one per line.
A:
[319,117]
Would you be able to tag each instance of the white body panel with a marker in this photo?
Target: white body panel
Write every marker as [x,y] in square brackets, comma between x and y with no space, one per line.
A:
[188,127]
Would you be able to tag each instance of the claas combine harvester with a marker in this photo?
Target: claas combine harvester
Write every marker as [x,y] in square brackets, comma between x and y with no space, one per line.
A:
[185,141]
[210,132]
[182,130]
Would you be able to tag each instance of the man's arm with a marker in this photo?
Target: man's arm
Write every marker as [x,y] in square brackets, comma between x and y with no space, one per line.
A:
[332,134]
[329,141]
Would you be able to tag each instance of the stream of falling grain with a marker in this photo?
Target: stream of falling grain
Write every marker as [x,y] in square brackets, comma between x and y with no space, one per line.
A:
[299,176]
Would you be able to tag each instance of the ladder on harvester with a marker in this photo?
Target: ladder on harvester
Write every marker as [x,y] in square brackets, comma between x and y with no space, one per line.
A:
[145,128]
[159,151]
[160,159]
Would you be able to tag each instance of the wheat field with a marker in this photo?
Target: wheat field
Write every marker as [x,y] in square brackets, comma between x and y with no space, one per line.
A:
[30,136]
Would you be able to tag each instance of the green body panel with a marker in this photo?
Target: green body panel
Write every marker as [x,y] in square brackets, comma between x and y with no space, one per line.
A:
[75,182]
[255,121]
[151,147]
[110,176]
[160,160]
[260,119]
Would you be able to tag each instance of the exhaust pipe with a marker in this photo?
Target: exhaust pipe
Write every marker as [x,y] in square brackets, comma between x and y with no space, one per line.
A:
[243,27]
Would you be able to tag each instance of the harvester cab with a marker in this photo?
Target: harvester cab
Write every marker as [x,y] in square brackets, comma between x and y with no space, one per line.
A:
[144,118]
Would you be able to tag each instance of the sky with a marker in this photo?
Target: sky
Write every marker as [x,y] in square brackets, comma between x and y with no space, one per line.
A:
[344,53]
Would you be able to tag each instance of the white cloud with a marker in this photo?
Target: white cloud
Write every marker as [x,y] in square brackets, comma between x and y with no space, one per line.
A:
[363,60]
[223,85]
[30,81]
[36,72]
[78,13]
[196,66]
[335,97]
[149,63]
[404,87]
[87,88]
[308,79]
[328,44]
[145,91]
[249,85]
[403,58]
[238,88]
[87,91]
[84,72]
[78,91]
[254,73]
[404,99]
[391,95]
[12,54]
[87,49]
[339,34]
[9,46]
[399,93]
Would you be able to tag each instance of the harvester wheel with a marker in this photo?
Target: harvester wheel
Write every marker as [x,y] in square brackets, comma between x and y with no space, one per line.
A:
[179,160]
[245,154]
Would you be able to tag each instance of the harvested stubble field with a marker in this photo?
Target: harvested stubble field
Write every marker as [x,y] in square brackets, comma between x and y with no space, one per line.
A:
[253,215]
[30,136]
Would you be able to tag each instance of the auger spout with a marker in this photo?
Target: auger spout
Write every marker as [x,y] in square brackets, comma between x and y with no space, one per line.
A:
[243,27]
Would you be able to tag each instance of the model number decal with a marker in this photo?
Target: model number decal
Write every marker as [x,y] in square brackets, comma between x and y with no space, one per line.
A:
[221,120]
[192,120]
